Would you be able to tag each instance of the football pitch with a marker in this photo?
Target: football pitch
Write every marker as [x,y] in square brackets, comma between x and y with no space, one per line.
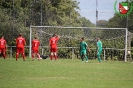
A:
[65,73]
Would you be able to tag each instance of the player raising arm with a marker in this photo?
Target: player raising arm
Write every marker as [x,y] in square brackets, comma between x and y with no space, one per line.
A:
[3,47]
[53,46]
[35,48]
[20,46]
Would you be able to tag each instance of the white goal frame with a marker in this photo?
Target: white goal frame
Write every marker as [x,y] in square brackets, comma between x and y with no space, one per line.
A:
[126,34]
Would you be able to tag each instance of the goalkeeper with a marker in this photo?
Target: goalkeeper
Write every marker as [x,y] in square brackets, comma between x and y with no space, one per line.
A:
[99,49]
[83,50]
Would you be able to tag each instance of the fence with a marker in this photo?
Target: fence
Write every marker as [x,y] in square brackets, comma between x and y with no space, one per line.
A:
[17,16]
[73,53]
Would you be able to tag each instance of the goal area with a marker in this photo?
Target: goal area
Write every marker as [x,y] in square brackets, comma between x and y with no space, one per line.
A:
[114,40]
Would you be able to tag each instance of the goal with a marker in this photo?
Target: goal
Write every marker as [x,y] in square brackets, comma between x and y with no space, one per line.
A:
[114,39]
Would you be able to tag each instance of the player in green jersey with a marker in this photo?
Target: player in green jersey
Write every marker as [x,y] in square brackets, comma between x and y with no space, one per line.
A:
[83,50]
[99,49]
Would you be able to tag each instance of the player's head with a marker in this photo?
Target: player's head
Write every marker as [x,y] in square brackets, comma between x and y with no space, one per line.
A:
[54,35]
[20,34]
[98,39]
[2,37]
[35,37]
[82,39]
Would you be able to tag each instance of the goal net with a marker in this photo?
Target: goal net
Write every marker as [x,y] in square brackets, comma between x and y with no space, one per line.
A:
[114,40]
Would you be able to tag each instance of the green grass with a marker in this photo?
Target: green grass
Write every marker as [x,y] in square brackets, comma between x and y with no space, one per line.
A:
[65,73]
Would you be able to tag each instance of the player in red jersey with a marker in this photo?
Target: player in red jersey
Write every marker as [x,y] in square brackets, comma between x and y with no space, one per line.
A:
[35,48]
[3,46]
[53,46]
[20,44]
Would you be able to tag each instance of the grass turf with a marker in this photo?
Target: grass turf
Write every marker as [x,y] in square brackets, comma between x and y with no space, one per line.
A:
[65,73]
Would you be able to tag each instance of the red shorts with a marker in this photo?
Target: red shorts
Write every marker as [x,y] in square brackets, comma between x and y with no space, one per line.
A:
[20,50]
[35,50]
[54,49]
[2,50]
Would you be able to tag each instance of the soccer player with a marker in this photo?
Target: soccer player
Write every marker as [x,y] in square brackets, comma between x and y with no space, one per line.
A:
[3,47]
[99,49]
[83,49]
[35,48]
[20,44]
[53,46]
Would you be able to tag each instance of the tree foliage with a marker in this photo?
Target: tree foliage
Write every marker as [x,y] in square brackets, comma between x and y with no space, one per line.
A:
[121,21]
[17,15]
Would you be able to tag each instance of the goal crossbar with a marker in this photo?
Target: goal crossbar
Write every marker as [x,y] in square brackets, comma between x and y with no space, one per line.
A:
[74,27]
[126,34]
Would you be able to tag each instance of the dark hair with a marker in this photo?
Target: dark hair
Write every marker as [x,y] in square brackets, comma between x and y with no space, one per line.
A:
[20,34]
[2,36]
[82,38]
[35,37]
[54,35]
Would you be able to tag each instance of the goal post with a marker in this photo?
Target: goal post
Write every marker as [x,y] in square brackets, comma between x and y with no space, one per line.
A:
[113,38]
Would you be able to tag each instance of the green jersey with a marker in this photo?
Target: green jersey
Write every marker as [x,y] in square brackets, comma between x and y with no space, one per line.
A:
[99,45]
[83,46]
[99,50]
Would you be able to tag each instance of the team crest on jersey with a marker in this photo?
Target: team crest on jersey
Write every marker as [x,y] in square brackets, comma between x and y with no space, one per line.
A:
[125,8]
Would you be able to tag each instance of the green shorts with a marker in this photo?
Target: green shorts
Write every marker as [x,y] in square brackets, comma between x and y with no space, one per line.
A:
[99,52]
[83,52]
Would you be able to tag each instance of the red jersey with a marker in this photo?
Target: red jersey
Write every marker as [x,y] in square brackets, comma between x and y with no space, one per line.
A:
[53,42]
[20,42]
[35,43]
[2,43]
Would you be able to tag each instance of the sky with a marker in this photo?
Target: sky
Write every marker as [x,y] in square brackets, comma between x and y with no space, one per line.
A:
[105,9]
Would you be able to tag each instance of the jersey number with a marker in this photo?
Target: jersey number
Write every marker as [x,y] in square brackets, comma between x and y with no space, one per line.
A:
[35,44]
[2,42]
[20,41]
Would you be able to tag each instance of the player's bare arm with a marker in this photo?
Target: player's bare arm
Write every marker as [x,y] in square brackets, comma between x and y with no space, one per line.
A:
[88,49]
[57,36]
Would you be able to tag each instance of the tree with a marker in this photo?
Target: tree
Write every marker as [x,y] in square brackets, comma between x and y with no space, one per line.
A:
[85,22]
[121,21]
[102,23]
[17,15]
